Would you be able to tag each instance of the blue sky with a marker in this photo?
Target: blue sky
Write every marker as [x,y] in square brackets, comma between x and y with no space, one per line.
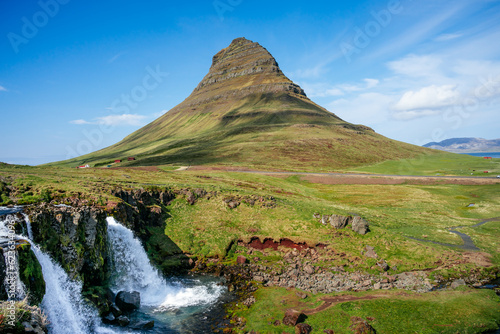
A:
[77,76]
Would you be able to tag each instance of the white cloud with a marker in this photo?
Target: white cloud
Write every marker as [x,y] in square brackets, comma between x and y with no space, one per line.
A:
[447,37]
[407,115]
[3,89]
[122,120]
[80,122]
[325,90]
[417,66]
[161,113]
[115,120]
[430,97]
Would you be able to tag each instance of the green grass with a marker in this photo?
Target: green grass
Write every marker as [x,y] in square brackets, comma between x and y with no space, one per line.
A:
[437,164]
[460,311]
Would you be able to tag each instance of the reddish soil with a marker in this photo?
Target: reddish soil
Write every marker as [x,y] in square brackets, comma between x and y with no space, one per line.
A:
[270,243]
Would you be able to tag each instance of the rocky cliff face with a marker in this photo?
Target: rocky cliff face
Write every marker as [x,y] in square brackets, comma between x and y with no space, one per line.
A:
[243,59]
[76,237]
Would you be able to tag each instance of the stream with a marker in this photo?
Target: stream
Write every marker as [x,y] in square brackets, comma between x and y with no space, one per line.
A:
[468,243]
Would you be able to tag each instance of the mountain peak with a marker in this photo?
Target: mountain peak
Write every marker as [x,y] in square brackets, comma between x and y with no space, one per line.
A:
[243,68]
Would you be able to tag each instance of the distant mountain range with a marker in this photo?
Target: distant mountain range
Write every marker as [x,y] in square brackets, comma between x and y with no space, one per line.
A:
[466,145]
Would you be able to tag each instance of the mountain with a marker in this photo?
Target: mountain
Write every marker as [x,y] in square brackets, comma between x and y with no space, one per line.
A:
[246,112]
[466,145]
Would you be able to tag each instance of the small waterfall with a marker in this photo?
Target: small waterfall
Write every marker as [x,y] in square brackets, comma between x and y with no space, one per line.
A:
[66,310]
[134,272]
[28,226]
[8,239]
[62,302]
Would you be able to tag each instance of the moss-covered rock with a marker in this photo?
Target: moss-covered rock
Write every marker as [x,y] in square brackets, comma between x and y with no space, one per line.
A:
[30,272]
[76,237]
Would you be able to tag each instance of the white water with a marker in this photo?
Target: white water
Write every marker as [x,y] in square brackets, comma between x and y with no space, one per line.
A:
[63,304]
[134,272]
[13,285]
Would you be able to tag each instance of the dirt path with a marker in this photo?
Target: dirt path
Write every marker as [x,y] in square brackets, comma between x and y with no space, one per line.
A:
[330,301]
[353,178]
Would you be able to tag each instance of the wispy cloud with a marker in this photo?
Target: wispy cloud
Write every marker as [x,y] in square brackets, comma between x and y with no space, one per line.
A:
[80,122]
[3,89]
[324,90]
[115,57]
[115,120]
[416,66]
[447,37]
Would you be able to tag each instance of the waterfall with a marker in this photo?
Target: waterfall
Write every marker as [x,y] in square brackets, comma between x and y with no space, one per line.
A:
[134,272]
[28,226]
[8,239]
[66,310]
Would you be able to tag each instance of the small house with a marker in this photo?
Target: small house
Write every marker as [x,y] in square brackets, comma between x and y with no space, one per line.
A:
[117,161]
[83,166]
[131,159]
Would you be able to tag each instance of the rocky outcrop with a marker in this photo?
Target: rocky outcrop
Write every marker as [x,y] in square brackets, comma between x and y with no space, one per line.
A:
[76,237]
[30,272]
[358,224]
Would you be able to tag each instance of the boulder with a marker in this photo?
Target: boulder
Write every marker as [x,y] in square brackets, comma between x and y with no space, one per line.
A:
[359,225]
[324,219]
[382,264]
[123,321]
[338,221]
[143,325]
[293,317]
[128,301]
[241,259]
[109,318]
[370,252]
[303,329]
[360,326]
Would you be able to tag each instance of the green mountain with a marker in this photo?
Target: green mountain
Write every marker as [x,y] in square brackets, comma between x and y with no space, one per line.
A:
[246,112]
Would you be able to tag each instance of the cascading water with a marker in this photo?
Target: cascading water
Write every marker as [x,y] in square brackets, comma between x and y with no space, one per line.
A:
[65,309]
[15,288]
[161,300]
[134,272]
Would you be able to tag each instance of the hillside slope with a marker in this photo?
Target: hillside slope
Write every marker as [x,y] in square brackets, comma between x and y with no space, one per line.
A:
[246,112]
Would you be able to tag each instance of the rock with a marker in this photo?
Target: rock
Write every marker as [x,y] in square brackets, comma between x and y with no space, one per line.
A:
[143,325]
[115,310]
[377,286]
[360,326]
[359,225]
[293,317]
[370,252]
[338,221]
[303,329]
[382,264]
[249,301]
[241,259]
[301,295]
[190,198]
[277,323]
[123,320]
[109,318]
[128,301]
[324,219]
[309,269]
[457,283]
[316,215]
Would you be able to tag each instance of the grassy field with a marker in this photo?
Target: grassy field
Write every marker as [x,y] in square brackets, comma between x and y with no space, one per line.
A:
[395,212]
[438,164]
[461,311]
